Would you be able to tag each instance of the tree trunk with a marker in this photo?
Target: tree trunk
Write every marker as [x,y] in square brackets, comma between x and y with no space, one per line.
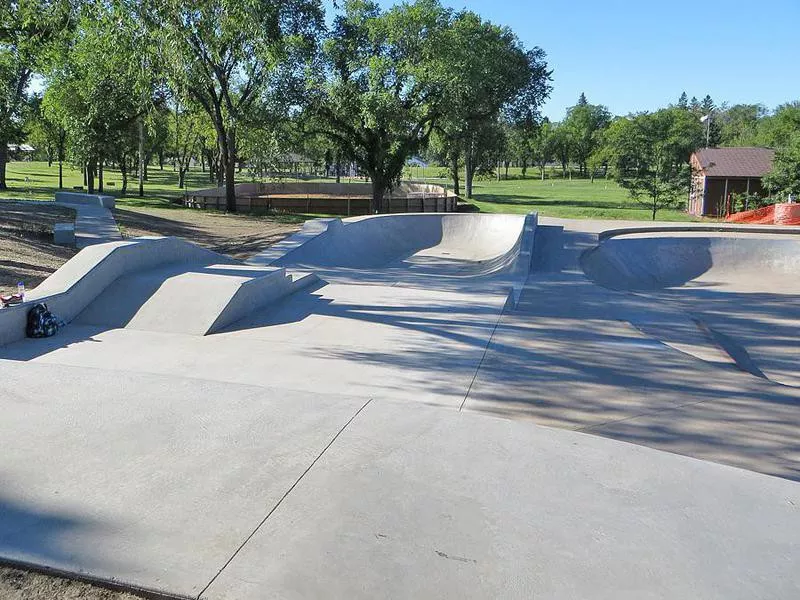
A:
[90,172]
[454,174]
[161,160]
[230,171]
[181,176]
[100,176]
[378,189]
[141,157]
[60,174]
[123,169]
[469,172]
[3,162]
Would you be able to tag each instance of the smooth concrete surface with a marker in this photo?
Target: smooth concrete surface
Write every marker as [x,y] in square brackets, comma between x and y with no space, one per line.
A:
[418,250]
[421,504]
[86,275]
[401,429]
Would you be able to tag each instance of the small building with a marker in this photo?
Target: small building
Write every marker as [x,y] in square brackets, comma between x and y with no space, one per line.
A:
[718,173]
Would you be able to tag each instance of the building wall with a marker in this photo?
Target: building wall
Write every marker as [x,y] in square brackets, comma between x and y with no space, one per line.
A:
[715,201]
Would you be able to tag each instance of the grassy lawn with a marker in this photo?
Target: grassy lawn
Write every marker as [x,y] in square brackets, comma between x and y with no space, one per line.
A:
[37,181]
[556,197]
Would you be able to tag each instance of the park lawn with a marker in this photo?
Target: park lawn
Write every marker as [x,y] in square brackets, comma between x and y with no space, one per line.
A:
[553,197]
[36,181]
[570,199]
[575,198]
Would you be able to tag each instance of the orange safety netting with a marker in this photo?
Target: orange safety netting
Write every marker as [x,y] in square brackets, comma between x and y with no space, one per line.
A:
[774,214]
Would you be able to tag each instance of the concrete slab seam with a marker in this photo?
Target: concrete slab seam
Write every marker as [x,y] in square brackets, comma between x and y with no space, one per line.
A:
[284,496]
[485,351]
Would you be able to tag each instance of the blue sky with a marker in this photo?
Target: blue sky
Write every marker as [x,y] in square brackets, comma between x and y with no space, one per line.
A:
[640,55]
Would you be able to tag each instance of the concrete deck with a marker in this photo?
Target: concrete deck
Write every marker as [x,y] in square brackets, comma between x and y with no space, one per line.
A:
[395,434]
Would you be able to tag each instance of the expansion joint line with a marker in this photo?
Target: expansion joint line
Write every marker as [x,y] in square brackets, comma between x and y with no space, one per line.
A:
[282,498]
[483,357]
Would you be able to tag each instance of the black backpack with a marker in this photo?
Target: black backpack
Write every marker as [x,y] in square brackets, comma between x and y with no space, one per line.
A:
[41,322]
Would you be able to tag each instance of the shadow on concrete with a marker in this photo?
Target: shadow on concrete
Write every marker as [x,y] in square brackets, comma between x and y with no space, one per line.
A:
[35,536]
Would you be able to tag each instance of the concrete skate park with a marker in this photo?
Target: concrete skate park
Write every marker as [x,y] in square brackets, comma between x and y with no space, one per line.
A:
[413,406]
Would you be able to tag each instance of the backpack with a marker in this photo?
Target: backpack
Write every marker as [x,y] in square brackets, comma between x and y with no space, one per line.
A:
[41,322]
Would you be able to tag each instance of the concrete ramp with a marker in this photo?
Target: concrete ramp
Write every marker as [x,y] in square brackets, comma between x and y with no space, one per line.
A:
[189,299]
[651,263]
[441,251]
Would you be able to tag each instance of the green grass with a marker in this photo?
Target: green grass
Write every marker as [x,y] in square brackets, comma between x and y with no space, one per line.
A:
[557,197]
[554,197]
[37,181]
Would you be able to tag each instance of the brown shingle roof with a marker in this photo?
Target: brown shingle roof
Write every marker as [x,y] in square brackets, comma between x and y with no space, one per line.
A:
[736,162]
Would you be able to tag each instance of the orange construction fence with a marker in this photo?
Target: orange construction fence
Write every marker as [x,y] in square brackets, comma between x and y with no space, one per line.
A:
[774,214]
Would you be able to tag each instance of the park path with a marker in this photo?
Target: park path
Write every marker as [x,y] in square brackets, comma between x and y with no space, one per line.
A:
[93,224]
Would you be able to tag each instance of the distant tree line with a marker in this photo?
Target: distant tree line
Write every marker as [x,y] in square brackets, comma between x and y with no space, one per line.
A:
[235,84]
[646,153]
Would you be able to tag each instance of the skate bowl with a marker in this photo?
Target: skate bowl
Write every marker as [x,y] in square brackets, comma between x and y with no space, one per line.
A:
[414,248]
[746,261]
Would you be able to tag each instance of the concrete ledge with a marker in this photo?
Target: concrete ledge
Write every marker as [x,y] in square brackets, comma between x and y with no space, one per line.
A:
[64,234]
[81,279]
[90,199]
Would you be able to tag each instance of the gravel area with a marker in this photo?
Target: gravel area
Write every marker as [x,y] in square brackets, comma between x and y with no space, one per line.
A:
[16,584]
[27,251]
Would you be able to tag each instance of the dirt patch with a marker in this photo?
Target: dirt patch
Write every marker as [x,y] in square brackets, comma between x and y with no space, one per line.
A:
[16,584]
[27,251]
[237,236]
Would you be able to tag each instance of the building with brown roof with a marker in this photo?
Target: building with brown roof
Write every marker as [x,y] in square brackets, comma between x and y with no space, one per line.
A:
[718,173]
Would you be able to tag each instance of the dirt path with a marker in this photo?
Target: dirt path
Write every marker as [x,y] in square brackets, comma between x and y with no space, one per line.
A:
[27,251]
[238,236]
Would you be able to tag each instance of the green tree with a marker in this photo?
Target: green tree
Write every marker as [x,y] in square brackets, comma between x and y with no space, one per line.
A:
[543,145]
[385,88]
[584,124]
[784,179]
[777,130]
[739,124]
[89,87]
[227,53]
[649,155]
[28,30]
[488,72]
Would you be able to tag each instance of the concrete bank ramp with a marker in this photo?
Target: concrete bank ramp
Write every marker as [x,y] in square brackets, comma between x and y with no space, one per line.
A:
[189,299]
[462,245]
[743,261]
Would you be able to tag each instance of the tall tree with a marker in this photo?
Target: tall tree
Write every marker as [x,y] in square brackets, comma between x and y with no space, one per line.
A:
[739,124]
[384,90]
[650,155]
[488,71]
[89,87]
[683,101]
[543,145]
[228,53]
[28,29]
[584,123]
[784,179]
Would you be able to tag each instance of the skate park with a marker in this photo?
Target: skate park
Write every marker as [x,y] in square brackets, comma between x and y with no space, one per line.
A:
[436,404]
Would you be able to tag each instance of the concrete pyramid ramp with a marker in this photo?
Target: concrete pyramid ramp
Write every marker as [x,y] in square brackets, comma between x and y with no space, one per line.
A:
[189,299]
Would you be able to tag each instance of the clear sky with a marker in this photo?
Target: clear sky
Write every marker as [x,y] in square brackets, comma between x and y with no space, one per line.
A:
[640,55]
